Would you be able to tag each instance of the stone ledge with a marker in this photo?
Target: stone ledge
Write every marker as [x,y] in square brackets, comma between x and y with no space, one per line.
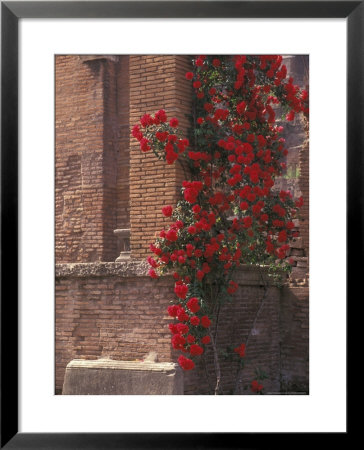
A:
[101,269]
[246,275]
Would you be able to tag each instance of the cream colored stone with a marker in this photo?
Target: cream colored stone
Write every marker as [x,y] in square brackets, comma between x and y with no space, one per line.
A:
[108,377]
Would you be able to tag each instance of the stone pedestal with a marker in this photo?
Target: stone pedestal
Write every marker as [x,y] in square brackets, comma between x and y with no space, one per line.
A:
[108,377]
[123,235]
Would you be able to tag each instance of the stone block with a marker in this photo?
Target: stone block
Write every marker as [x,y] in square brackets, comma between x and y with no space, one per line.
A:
[108,377]
[297,243]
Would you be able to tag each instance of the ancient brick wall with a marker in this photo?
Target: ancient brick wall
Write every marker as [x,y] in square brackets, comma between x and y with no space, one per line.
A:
[156,82]
[104,182]
[294,309]
[109,310]
[86,137]
[123,150]
[115,310]
[294,331]
[251,305]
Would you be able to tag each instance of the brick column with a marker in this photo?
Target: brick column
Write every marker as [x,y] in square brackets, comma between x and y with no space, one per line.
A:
[156,82]
[86,139]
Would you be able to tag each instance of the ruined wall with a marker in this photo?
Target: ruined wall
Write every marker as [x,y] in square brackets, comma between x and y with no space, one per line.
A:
[156,82]
[85,158]
[110,310]
[104,182]
[294,311]
[115,310]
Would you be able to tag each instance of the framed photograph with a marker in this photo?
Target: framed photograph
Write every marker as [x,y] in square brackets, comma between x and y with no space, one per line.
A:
[100,103]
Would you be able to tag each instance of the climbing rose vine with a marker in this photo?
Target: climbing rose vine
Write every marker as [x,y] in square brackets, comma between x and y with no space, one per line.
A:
[230,214]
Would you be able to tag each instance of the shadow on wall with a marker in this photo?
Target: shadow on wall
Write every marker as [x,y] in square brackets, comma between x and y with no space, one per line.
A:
[294,345]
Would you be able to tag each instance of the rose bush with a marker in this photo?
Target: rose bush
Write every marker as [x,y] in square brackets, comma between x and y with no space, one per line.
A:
[230,214]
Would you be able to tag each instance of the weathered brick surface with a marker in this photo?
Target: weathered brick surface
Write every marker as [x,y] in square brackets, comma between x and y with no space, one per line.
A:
[123,150]
[294,330]
[115,310]
[107,311]
[104,182]
[262,352]
[294,311]
[156,82]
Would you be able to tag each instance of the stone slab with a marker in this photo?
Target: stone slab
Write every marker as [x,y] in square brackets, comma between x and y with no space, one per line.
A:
[108,377]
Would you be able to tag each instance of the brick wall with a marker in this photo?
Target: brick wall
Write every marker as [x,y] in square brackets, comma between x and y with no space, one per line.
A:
[156,82]
[104,182]
[235,324]
[294,312]
[86,136]
[115,310]
[109,310]
[123,151]
[294,331]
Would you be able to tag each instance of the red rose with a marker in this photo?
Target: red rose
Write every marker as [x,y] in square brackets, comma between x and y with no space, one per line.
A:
[190,195]
[232,287]
[196,350]
[167,210]
[181,259]
[189,75]
[290,116]
[256,387]
[178,341]
[205,321]
[182,316]
[191,229]
[206,340]
[240,108]
[194,320]
[172,310]
[171,157]
[152,262]
[152,273]
[173,328]
[185,363]
[137,133]
[144,145]
[208,107]
[247,222]
[173,122]
[171,235]
[193,304]
[240,350]
[200,274]
[282,236]
[182,328]
[146,120]
[161,116]
[181,290]
[161,136]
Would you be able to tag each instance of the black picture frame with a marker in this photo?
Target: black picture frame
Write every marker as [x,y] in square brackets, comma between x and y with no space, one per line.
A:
[11,12]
